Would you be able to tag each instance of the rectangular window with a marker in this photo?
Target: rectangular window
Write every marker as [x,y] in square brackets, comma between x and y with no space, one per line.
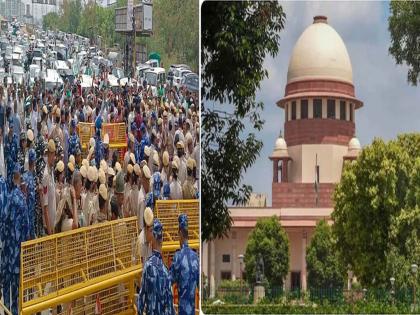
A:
[331,109]
[342,110]
[303,109]
[226,275]
[293,110]
[317,108]
[351,112]
[226,258]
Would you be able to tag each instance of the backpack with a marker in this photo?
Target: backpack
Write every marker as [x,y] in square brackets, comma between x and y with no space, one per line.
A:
[157,185]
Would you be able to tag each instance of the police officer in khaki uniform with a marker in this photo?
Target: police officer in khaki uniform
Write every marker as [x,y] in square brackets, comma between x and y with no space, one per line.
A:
[188,190]
[90,205]
[48,190]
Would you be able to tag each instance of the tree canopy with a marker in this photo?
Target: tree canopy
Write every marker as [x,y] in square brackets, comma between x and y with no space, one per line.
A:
[404,27]
[269,241]
[376,208]
[324,267]
[235,37]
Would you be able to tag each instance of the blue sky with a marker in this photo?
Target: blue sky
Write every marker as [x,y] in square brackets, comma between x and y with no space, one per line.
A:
[391,106]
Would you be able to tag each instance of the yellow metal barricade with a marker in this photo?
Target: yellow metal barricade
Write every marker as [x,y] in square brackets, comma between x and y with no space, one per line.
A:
[93,267]
[55,267]
[168,211]
[115,131]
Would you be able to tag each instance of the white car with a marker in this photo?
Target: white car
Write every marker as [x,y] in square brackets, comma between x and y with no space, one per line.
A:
[154,77]
[34,73]
[52,79]
[178,74]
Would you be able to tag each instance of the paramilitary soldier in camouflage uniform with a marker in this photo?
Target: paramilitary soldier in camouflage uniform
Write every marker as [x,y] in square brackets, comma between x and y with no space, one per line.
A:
[29,178]
[184,270]
[19,232]
[4,233]
[11,153]
[74,141]
[155,292]
[40,146]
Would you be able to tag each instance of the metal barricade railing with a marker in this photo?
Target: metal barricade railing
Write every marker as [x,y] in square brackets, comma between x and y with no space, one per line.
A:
[115,131]
[82,268]
[60,264]
[168,211]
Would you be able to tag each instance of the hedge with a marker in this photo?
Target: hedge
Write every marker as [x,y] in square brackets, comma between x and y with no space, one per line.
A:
[357,308]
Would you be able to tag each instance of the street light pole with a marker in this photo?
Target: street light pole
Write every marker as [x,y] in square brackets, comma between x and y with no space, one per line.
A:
[241,258]
[392,280]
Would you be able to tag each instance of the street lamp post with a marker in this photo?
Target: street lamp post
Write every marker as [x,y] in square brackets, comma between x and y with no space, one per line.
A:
[241,259]
[392,280]
[414,268]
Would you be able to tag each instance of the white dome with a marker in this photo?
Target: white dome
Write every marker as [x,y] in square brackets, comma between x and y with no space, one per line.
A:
[320,53]
[354,144]
[280,144]
[280,149]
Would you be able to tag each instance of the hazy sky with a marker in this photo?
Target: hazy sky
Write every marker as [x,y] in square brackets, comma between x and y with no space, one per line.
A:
[391,106]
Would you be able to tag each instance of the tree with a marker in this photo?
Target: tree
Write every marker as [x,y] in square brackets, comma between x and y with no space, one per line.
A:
[405,234]
[269,241]
[371,195]
[404,26]
[51,21]
[324,268]
[235,39]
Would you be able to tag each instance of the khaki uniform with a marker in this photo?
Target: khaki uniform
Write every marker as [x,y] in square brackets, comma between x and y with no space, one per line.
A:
[176,189]
[182,170]
[49,196]
[134,200]
[188,190]
[127,211]
[91,208]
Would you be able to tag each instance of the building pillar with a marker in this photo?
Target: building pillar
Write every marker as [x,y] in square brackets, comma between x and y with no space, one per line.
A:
[276,171]
[233,260]
[212,270]
[303,273]
[284,177]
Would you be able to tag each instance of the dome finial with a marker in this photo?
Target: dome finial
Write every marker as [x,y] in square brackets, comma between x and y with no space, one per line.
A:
[320,19]
[281,134]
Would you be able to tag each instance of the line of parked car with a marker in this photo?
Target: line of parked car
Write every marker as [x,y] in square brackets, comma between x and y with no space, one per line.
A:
[57,57]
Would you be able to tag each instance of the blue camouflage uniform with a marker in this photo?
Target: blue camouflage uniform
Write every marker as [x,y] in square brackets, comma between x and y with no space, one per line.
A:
[155,292]
[99,148]
[145,141]
[4,233]
[40,147]
[11,148]
[184,271]
[74,141]
[29,178]
[19,232]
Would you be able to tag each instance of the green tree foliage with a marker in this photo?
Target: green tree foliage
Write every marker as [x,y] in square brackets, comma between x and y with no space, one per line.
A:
[175,27]
[324,268]
[51,21]
[405,233]
[235,37]
[175,31]
[269,241]
[374,209]
[404,26]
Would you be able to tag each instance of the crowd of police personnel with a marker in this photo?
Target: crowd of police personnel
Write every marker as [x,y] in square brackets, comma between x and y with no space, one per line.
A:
[49,183]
